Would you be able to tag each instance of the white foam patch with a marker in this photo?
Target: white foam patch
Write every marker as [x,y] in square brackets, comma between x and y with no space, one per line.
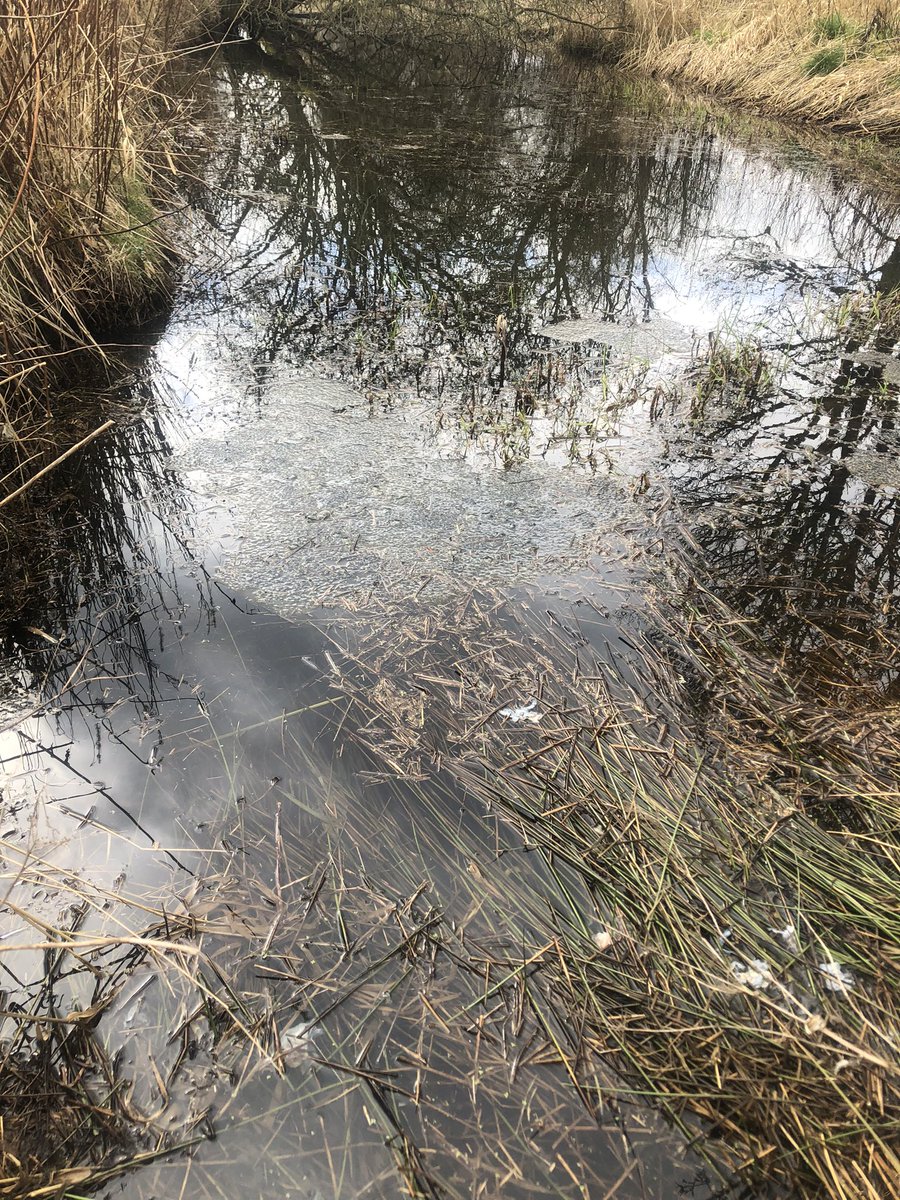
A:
[647,341]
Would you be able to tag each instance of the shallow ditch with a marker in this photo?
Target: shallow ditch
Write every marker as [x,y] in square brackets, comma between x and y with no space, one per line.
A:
[441,390]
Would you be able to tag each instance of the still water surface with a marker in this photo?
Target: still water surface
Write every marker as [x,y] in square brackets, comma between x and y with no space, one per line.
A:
[332,435]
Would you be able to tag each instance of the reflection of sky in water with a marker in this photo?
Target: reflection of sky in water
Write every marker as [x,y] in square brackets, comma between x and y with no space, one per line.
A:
[713,231]
[309,241]
[770,236]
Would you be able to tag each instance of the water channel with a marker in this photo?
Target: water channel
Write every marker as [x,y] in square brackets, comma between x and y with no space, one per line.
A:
[415,366]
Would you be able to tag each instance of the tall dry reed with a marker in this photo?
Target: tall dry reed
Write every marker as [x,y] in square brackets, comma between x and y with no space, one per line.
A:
[833,63]
[83,147]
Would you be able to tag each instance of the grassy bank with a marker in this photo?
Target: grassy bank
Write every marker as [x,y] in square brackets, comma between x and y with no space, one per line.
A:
[833,63]
[86,152]
[837,64]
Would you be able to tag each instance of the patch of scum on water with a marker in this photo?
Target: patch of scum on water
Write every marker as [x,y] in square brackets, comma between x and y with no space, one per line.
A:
[380,511]
[648,340]
[330,387]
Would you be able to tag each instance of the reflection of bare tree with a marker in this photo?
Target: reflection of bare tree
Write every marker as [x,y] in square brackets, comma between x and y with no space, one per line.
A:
[108,574]
[796,503]
[889,280]
[384,235]
[381,228]
[389,229]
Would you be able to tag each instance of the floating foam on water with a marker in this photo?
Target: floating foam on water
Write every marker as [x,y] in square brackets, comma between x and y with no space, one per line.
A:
[837,978]
[524,712]
[380,510]
[756,974]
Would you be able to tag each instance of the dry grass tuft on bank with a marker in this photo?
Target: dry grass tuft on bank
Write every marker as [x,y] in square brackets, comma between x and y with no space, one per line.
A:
[837,64]
[85,153]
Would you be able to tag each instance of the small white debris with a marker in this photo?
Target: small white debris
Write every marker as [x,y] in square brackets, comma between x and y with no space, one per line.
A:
[524,712]
[814,1024]
[603,939]
[297,1037]
[757,974]
[837,978]
[198,479]
[789,936]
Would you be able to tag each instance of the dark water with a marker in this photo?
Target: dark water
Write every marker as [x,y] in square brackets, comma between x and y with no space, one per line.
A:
[328,436]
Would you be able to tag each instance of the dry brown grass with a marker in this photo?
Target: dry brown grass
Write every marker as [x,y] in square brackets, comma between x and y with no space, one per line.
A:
[835,64]
[67,1122]
[84,148]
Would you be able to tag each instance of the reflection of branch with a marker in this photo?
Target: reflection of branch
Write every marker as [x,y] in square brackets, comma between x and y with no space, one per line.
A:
[546,12]
[100,790]
[61,458]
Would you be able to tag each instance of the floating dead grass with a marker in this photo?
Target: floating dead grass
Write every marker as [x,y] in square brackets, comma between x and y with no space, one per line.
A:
[707,925]
[355,988]
[735,829]
[68,1120]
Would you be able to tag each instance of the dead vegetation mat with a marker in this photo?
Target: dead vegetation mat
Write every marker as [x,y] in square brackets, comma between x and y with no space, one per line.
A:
[736,827]
[715,936]
[66,1119]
